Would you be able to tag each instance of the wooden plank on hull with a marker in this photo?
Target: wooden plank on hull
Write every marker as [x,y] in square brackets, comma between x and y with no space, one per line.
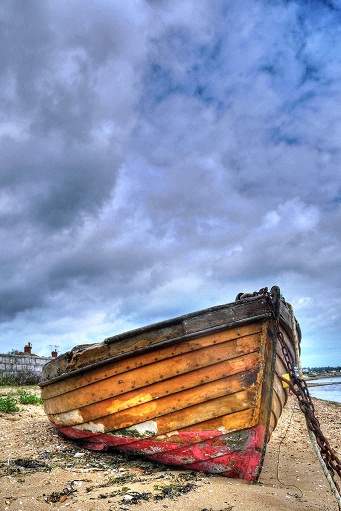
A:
[289,345]
[273,422]
[281,392]
[185,371]
[239,336]
[276,406]
[280,367]
[175,420]
[151,406]
[194,415]
[230,422]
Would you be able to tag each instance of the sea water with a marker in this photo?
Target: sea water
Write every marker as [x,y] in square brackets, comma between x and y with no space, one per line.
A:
[330,392]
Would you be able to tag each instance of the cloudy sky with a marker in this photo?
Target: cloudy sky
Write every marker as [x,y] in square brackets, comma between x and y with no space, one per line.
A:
[160,156]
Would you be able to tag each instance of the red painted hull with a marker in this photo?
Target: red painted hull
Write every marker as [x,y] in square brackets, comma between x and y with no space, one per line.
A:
[235,455]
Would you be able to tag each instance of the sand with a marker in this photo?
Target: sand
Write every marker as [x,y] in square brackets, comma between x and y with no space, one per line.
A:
[39,470]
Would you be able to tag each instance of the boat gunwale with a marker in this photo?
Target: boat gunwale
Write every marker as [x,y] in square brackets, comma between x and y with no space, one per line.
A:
[173,321]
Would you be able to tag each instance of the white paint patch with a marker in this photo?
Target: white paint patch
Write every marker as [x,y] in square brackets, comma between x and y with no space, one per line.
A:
[68,418]
[91,426]
[222,429]
[172,433]
[147,428]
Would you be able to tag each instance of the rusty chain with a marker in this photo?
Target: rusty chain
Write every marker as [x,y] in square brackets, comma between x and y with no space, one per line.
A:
[299,387]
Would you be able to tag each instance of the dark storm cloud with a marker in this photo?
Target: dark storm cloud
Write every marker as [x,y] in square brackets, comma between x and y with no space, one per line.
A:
[56,183]
[160,157]
[66,112]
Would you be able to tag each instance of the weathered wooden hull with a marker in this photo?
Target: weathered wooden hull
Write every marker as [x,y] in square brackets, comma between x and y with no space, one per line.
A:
[202,391]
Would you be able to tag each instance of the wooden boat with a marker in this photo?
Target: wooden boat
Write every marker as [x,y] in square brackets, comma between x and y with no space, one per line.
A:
[202,391]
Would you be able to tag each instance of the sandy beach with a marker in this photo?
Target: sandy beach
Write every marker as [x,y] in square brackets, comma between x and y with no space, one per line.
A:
[41,471]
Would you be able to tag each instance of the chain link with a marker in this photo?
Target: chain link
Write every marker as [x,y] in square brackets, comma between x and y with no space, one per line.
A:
[299,387]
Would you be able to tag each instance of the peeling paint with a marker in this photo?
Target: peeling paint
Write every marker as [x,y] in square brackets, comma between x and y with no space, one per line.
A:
[142,430]
[67,418]
[91,426]
[222,429]
[172,433]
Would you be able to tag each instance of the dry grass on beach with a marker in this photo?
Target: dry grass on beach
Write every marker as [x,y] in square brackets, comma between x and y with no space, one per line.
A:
[40,470]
